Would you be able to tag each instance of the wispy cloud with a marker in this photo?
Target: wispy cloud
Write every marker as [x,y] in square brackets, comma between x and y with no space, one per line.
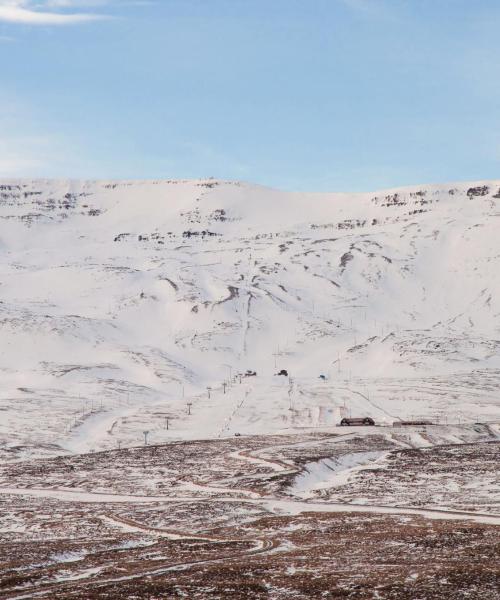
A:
[26,148]
[22,154]
[46,12]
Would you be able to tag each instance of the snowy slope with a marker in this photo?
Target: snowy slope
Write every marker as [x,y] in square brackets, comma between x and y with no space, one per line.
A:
[120,302]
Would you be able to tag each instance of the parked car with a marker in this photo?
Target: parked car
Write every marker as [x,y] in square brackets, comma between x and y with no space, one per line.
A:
[350,421]
[283,372]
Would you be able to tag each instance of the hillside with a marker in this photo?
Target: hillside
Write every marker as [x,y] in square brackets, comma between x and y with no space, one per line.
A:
[122,302]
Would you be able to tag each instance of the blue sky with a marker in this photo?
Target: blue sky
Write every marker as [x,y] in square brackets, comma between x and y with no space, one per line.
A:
[320,95]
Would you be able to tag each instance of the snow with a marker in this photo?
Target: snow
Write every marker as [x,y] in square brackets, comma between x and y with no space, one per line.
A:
[283,507]
[86,497]
[116,310]
[331,472]
[85,574]
[273,505]
[67,557]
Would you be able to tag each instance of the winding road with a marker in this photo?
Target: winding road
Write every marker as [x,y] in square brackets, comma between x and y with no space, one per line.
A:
[273,505]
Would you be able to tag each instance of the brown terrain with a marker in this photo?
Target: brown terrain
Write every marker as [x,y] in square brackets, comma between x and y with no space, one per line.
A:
[223,519]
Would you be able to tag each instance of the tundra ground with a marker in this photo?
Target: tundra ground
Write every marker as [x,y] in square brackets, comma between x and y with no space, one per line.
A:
[358,514]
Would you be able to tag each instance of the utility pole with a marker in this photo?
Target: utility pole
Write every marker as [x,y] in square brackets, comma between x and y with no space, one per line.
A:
[146,433]
[189,404]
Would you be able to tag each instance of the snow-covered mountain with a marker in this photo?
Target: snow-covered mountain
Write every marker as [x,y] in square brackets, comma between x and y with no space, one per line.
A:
[122,302]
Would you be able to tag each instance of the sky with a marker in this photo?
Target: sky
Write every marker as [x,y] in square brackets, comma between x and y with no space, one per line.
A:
[317,95]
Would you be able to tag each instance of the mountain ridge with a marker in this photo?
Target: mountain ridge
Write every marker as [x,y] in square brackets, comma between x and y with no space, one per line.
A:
[117,297]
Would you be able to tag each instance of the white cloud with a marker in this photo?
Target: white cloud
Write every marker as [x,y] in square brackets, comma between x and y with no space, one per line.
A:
[21,155]
[39,13]
[17,166]
[26,148]
[71,3]
[41,153]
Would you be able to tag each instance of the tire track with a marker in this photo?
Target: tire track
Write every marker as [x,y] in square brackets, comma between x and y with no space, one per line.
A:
[262,546]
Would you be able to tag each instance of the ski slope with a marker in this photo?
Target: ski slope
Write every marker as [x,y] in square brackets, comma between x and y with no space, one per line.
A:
[122,302]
